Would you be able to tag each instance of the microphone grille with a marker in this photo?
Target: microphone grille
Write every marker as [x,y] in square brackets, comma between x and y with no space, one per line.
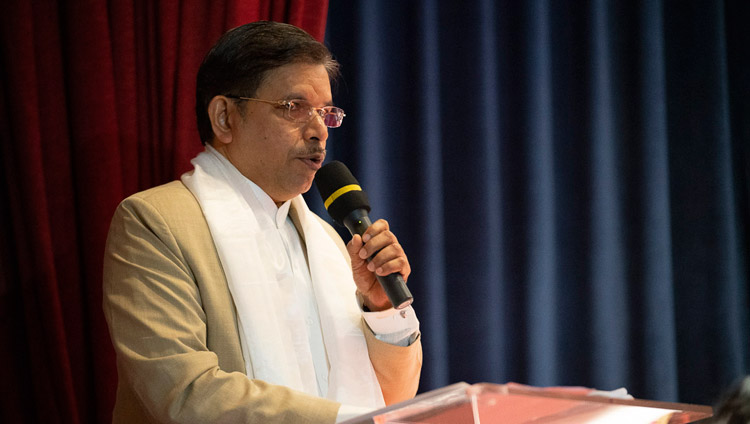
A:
[340,191]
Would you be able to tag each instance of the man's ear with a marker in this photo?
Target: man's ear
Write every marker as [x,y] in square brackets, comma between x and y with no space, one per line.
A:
[218,113]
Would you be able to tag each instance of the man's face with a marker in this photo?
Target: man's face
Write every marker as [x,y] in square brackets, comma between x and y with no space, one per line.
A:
[277,154]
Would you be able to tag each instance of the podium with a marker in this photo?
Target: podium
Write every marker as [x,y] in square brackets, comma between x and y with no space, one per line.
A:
[511,403]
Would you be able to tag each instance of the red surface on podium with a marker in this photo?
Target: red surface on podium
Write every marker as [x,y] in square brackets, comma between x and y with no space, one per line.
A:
[517,404]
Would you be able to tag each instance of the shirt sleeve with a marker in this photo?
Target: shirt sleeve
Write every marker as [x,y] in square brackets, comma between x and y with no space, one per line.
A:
[394,326]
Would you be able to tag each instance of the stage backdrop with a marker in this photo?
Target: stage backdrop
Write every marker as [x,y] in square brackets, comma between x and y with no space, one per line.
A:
[97,102]
[570,180]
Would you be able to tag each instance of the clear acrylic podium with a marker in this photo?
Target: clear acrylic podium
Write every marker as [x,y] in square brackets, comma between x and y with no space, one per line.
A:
[511,403]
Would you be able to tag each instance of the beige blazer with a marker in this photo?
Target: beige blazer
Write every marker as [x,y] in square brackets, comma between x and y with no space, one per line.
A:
[174,327]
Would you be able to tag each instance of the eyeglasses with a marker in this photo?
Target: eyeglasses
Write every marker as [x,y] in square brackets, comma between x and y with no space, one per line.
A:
[301,112]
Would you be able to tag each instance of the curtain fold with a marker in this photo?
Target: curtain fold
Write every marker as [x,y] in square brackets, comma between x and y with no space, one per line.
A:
[569,179]
[96,103]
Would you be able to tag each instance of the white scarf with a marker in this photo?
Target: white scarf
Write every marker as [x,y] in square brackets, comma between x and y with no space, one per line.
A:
[248,262]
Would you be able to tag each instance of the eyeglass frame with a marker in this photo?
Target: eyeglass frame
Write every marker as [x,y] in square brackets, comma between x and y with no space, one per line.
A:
[288,104]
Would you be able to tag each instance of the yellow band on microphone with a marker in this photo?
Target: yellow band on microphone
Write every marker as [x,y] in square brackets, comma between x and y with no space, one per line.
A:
[338,193]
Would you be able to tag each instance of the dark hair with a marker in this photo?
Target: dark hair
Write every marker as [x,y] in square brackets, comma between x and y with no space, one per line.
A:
[238,63]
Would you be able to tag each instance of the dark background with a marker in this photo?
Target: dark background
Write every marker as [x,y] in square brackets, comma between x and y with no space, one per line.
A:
[570,180]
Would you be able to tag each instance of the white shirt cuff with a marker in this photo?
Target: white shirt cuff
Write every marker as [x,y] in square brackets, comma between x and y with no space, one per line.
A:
[394,326]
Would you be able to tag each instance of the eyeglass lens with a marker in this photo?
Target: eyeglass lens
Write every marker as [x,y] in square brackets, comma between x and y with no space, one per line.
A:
[332,116]
[332,120]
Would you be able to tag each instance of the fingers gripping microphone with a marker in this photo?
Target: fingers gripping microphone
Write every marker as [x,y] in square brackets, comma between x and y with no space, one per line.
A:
[347,204]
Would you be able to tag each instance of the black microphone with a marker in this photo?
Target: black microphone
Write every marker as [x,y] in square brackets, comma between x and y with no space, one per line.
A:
[347,204]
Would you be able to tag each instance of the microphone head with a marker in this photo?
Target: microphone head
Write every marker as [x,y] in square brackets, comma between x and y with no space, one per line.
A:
[340,191]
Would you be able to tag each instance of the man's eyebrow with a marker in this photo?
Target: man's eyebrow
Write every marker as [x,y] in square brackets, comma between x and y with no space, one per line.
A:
[298,96]
[295,96]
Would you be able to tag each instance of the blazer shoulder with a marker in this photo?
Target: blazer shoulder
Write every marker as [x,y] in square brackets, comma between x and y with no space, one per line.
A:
[164,194]
[169,200]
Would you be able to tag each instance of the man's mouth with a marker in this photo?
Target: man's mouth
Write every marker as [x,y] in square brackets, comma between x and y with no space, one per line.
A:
[314,161]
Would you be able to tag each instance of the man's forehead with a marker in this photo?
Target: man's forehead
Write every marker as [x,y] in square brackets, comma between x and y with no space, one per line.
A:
[301,81]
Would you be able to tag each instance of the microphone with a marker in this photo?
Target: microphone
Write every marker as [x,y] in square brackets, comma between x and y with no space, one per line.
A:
[348,205]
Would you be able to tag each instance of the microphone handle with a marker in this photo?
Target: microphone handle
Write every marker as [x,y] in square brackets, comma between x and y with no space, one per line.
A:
[394,285]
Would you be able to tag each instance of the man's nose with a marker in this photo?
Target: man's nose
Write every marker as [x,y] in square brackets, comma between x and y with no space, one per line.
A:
[316,129]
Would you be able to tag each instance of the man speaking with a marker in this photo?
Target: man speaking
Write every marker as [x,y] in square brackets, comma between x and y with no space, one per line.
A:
[227,299]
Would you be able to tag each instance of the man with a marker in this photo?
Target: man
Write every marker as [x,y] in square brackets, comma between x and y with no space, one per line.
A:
[227,299]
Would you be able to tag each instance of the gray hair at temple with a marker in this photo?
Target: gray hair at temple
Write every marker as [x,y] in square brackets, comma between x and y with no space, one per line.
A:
[238,63]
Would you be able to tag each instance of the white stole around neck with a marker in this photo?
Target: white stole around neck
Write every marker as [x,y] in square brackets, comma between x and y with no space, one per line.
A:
[249,266]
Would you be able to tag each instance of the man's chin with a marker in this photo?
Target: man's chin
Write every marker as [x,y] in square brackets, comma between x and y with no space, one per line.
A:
[308,186]
[301,188]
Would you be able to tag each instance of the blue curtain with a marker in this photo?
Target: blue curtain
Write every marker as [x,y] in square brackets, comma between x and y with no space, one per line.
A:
[570,180]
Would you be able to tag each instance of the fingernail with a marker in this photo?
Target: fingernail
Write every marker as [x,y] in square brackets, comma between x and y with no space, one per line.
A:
[366,238]
[371,267]
[362,253]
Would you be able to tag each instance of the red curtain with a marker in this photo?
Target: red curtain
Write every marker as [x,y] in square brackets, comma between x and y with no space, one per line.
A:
[97,102]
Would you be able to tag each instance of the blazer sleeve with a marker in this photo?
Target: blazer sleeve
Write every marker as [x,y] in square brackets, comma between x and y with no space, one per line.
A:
[398,368]
[157,324]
